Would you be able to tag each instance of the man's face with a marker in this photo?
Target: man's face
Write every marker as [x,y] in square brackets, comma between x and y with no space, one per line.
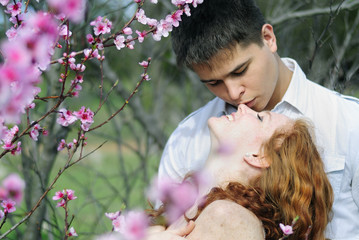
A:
[247,76]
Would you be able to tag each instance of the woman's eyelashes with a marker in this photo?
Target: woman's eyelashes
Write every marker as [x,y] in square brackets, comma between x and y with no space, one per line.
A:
[259,117]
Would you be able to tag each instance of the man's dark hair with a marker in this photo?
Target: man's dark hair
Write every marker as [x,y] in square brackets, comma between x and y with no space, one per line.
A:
[215,25]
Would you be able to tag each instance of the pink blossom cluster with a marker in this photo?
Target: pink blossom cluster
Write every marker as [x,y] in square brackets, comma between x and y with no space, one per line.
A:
[62,145]
[162,27]
[101,26]
[66,117]
[65,195]
[177,197]
[132,225]
[11,193]
[28,49]
[71,9]
[7,140]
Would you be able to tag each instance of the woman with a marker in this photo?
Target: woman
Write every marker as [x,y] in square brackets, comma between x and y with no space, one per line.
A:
[269,173]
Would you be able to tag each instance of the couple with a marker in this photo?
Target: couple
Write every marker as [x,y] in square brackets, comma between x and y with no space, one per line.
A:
[270,173]
[231,48]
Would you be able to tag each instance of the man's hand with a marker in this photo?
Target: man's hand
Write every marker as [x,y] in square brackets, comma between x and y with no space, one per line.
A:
[159,232]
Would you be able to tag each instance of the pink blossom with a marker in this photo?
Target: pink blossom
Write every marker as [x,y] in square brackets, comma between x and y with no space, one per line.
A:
[73,9]
[163,29]
[72,232]
[137,1]
[17,149]
[196,2]
[287,229]
[15,20]
[152,22]
[4,2]
[174,18]
[70,145]
[11,33]
[64,32]
[145,77]
[178,197]
[18,54]
[120,42]
[144,64]
[141,35]
[62,203]
[34,133]
[58,195]
[133,225]
[113,216]
[4,193]
[130,43]
[2,214]
[90,38]
[8,205]
[8,138]
[62,145]
[14,9]
[70,194]
[141,17]
[85,116]
[101,25]
[87,52]
[187,10]
[65,117]
[127,31]
[65,196]
[15,186]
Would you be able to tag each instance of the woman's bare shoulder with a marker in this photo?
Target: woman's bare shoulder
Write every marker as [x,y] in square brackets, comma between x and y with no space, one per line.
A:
[224,219]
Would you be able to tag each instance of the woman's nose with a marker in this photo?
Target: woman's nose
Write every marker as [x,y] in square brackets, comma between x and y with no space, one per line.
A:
[242,108]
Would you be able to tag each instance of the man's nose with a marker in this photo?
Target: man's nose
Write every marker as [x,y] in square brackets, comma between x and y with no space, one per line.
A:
[234,89]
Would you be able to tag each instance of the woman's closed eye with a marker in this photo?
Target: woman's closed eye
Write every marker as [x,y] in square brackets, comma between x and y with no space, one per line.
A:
[259,117]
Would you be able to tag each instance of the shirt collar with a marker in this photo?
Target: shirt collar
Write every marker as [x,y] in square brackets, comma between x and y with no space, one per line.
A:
[296,87]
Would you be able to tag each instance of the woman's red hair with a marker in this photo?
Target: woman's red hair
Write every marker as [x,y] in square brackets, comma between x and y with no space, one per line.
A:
[294,185]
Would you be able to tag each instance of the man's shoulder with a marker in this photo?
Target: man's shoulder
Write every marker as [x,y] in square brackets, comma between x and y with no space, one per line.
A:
[326,96]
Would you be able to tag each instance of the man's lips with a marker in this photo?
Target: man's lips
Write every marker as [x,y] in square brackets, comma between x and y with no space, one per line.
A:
[250,104]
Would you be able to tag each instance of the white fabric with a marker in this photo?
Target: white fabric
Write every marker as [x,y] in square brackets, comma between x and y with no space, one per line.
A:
[336,121]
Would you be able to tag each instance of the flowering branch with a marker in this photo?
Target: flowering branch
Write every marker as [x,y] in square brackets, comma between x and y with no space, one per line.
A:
[144,77]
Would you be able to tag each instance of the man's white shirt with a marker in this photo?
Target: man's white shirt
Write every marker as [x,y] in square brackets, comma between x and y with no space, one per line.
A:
[336,122]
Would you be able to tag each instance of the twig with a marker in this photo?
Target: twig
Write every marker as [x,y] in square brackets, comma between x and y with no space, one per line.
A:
[312,12]
[317,41]
[126,101]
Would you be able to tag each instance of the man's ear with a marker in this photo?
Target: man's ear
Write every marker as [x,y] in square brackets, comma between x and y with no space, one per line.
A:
[269,38]
[256,161]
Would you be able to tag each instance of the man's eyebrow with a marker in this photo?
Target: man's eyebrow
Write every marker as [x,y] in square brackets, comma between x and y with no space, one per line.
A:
[239,66]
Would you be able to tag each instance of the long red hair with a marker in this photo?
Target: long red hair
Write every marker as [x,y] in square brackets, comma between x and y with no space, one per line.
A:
[294,185]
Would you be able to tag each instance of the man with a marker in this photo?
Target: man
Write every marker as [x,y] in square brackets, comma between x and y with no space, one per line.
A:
[234,53]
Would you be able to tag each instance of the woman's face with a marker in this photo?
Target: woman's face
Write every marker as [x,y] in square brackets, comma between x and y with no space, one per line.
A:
[247,127]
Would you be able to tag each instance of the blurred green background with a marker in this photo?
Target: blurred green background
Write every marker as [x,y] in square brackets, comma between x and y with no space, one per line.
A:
[321,35]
